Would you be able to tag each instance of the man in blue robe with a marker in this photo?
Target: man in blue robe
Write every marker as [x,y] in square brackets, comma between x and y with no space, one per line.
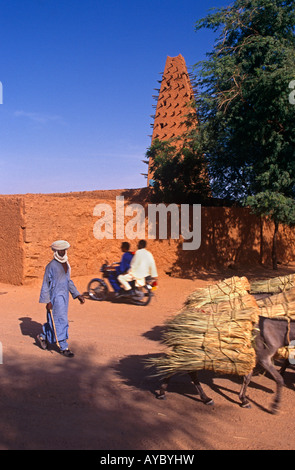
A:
[55,294]
[122,268]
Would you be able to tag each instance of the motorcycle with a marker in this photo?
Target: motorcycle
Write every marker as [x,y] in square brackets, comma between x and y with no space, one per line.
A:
[99,290]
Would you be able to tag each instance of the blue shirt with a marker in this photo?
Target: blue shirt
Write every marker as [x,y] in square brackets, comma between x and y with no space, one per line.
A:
[125,263]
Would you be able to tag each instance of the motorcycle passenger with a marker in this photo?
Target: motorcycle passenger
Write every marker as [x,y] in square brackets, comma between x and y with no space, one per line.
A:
[122,267]
[142,265]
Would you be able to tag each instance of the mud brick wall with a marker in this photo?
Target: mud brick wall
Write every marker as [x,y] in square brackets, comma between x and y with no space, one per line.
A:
[234,237]
[70,218]
[30,223]
[11,239]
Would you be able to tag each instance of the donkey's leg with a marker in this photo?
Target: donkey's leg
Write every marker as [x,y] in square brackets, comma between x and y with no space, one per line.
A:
[242,396]
[163,388]
[266,362]
[205,399]
[284,367]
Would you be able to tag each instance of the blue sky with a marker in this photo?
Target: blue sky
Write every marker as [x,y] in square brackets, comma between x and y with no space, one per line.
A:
[78,78]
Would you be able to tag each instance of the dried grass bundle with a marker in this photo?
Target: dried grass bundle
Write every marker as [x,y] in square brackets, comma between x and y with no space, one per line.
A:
[219,292]
[216,337]
[275,299]
[278,305]
[273,286]
[282,353]
[285,310]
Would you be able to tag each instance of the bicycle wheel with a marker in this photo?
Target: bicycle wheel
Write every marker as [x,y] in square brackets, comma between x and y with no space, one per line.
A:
[142,296]
[97,289]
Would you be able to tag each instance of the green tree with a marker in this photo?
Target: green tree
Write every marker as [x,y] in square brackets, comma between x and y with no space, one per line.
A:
[246,120]
[179,171]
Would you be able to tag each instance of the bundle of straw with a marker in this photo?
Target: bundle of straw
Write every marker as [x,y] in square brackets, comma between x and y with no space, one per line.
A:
[282,353]
[286,297]
[273,286]
[224,290]
[284,310]
[216,337]
[278,305]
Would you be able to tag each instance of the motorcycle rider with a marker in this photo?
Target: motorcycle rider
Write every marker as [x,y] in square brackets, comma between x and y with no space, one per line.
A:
[122,267]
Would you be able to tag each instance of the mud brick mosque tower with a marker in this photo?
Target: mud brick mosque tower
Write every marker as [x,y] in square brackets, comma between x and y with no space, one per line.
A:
[175,94]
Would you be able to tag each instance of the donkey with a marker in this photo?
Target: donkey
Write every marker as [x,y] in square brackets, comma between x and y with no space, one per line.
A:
[272,334]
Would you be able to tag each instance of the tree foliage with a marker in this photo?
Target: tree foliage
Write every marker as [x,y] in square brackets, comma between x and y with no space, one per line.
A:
[179,171]
[246,120]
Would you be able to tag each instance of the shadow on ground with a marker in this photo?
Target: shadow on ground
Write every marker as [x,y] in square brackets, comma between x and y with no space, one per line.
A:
[51,402]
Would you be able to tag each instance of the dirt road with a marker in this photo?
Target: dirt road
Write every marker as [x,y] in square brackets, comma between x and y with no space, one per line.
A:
[103,398]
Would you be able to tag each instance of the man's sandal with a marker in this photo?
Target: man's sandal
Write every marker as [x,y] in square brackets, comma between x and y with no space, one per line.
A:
[42,341]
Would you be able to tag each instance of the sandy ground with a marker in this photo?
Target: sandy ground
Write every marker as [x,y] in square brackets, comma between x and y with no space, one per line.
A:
[103,398]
